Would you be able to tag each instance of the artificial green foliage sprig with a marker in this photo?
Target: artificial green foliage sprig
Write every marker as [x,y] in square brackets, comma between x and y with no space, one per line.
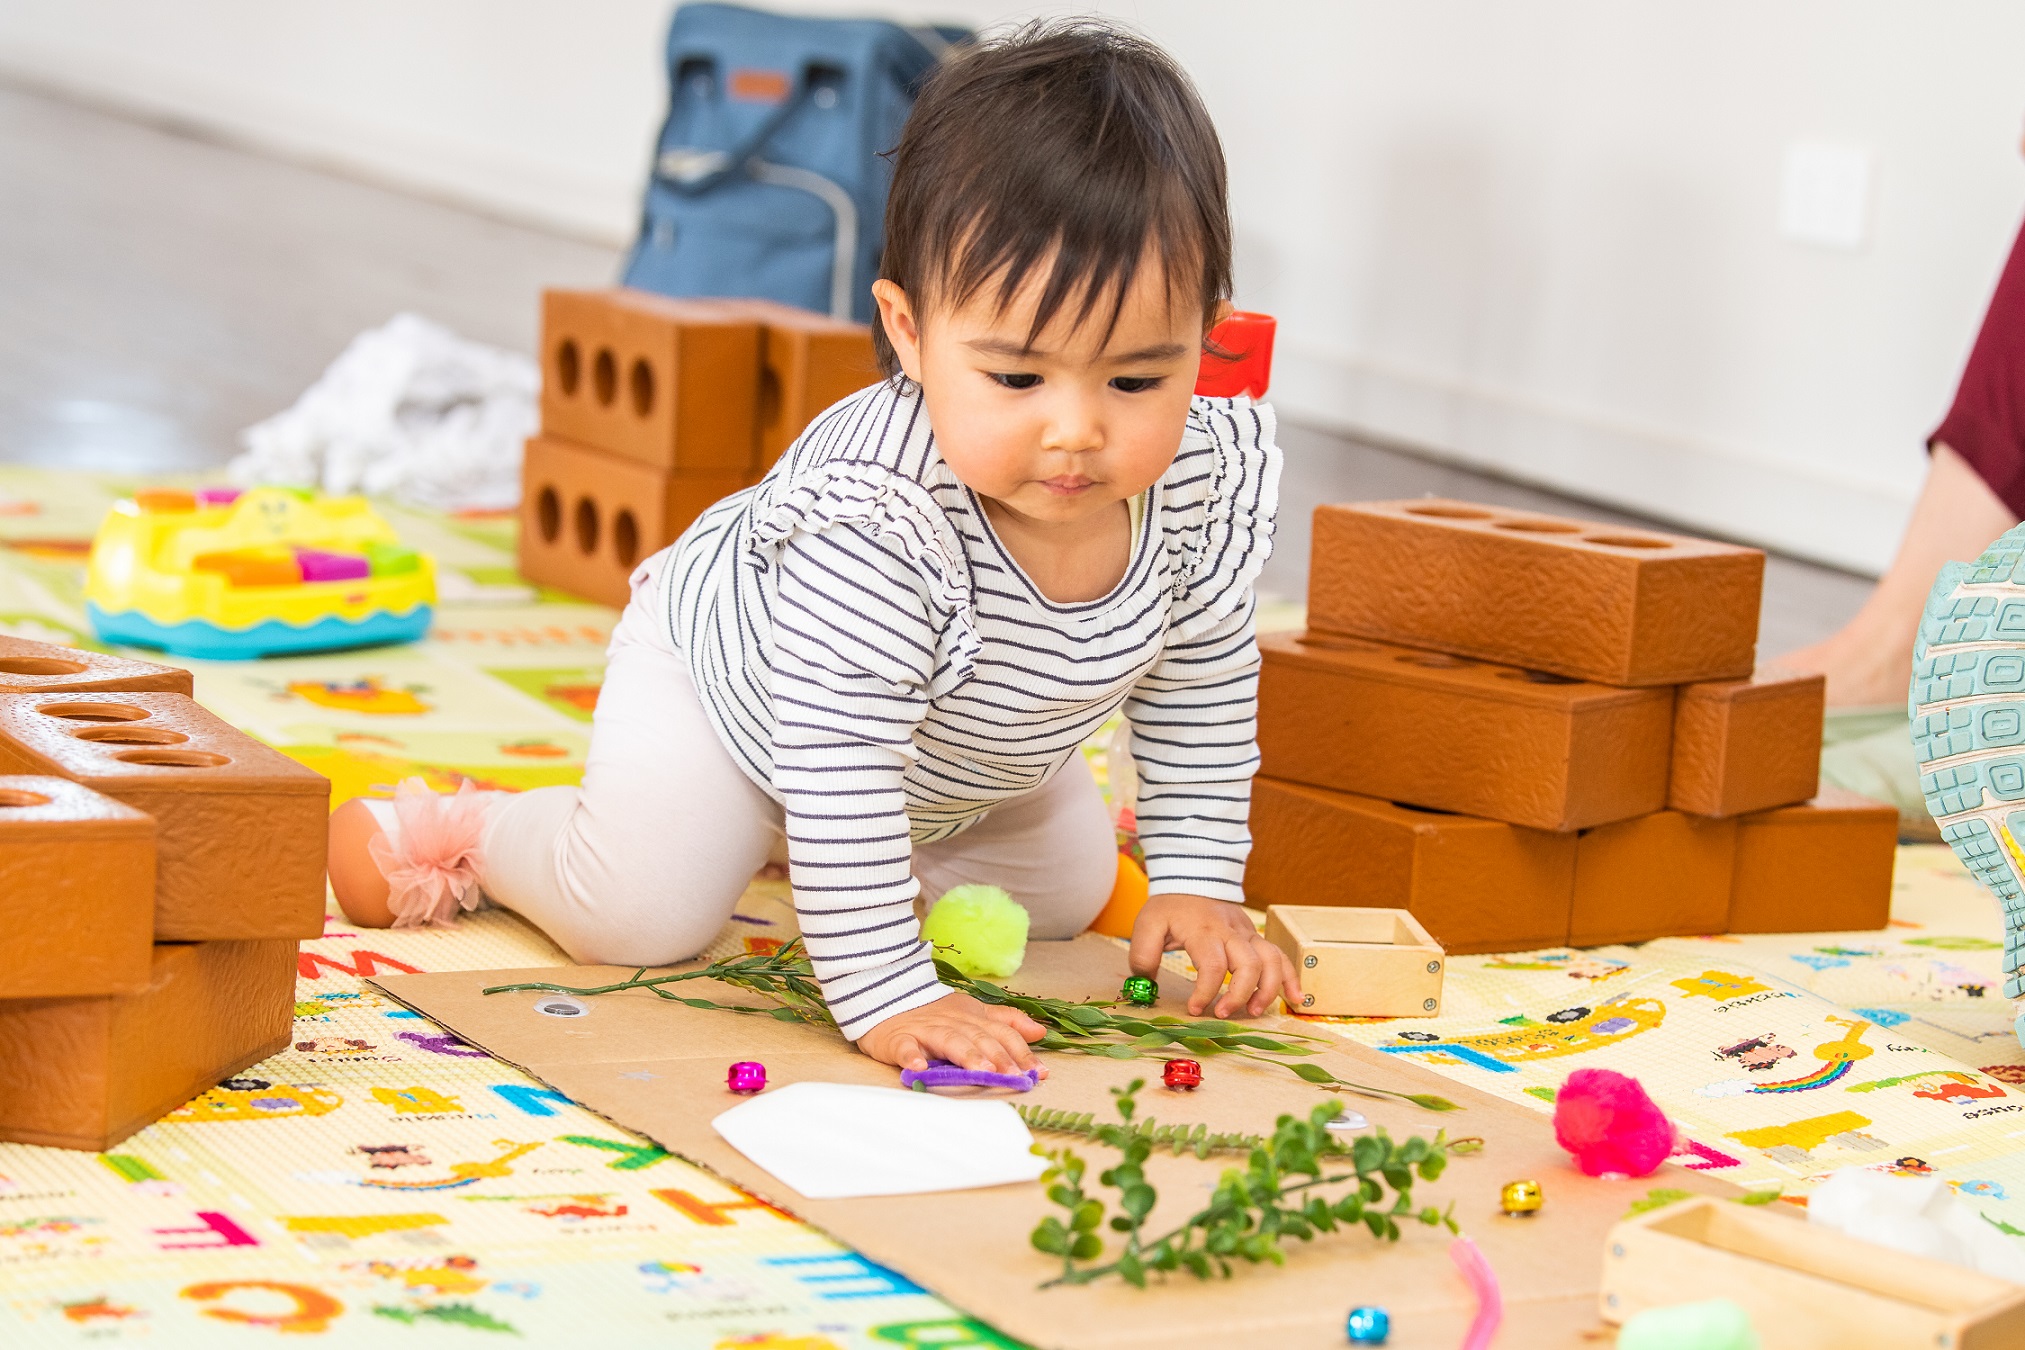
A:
[1070,1027]
[1176,1139]
[1275,1196]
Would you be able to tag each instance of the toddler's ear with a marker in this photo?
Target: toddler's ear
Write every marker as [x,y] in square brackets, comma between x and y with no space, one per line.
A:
[903,331]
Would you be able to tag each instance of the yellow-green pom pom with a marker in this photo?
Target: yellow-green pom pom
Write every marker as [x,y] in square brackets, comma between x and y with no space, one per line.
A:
[980,930]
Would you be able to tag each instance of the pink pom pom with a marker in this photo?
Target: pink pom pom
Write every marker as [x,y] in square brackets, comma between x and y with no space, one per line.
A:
[1610,1125]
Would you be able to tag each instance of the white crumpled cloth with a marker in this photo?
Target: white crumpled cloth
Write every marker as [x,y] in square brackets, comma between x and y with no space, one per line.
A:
[409,410]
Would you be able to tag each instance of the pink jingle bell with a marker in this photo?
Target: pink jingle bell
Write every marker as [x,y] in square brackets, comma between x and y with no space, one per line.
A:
[1182,1073]
[748,1075]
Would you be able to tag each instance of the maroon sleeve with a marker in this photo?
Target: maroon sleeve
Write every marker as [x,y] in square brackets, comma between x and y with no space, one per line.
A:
[1986,425]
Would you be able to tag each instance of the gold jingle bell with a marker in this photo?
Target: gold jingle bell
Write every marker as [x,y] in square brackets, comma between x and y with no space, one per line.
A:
[1520,1197]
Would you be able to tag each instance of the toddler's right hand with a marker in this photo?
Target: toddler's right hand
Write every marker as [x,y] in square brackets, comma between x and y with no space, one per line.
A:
[958,1028]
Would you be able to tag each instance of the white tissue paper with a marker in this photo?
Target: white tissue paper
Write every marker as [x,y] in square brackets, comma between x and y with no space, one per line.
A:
[408,410]
[1918,1215]
[835,1141]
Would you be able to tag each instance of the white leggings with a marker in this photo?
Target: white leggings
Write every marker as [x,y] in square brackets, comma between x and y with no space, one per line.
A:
[643,864]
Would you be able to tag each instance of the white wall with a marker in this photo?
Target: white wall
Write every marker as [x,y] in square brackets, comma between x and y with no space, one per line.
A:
[1541,238]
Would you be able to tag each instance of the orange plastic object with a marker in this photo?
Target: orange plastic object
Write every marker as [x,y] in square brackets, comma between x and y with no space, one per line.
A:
[1477,885]
[43,667]
[77,891]
[587,517]
[165,499]
[1662,875]
[240,828]
[1128,897]
[1598,602]
[1239,359]
[252,566]
[1746,745]
[87,1072]
[1822,866]
[1442,731]
[672,384]
[807,362]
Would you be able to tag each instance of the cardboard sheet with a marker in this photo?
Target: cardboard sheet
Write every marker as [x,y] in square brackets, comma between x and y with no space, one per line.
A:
[658,1068]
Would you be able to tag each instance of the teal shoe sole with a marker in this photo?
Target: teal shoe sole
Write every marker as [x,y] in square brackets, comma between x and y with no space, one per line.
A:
[1967,704]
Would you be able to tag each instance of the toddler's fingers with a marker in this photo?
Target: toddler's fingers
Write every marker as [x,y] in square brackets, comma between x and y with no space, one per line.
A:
[1244,976]
[1290,979]
[1015,1047]
[1274,973]
[1210,968]
[909,1053]
[1026,1027]
[1149,944]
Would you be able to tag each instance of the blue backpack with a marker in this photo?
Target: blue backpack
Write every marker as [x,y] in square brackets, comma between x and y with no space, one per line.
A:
[768,178]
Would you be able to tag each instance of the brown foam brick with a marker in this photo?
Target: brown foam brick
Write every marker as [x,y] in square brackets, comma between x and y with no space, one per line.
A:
[45,668]
[1597,602]
[240,828]
[672,384]
[1459,735]
[807,362]
[1662,875]
[87,1072]
[1822,866]
[1746,745]
[1477,885]
[77,891]
[587,517]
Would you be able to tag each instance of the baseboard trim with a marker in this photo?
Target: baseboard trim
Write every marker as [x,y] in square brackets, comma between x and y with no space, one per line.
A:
[1710,488]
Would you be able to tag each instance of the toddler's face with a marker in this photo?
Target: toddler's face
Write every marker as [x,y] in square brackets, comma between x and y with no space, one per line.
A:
[1061,430]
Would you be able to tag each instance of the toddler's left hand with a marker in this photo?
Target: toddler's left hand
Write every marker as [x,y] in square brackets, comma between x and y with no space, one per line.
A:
[1219,937]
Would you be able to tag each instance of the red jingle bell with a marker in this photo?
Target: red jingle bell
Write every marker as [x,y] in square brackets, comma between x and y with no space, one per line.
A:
[1182,1073]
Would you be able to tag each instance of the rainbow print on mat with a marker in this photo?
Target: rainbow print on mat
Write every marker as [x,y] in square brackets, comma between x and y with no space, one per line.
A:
[225,575]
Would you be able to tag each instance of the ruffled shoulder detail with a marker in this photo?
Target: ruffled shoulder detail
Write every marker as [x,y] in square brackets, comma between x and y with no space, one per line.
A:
[1222,501]
[891,507]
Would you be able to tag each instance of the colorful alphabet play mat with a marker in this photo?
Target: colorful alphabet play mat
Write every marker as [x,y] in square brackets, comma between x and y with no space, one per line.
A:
[382,1184]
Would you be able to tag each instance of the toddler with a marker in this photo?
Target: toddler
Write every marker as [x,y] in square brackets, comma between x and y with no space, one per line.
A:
[886,656]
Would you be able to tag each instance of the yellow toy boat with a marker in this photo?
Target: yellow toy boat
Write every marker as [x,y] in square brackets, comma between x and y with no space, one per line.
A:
[226,575]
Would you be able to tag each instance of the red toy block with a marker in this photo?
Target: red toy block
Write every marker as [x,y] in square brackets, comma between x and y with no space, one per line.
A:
[672,384]
[77,891]
[240,828]
[1415,726]
[1662,875]
[1746,745]
[808,361]
[1240,357]
[43,667]
[588,518]
[87,1072]
[1597,602]
[1477,885]
[1823,866]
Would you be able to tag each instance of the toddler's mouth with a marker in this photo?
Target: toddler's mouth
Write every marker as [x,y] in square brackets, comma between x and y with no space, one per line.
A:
[1067,485]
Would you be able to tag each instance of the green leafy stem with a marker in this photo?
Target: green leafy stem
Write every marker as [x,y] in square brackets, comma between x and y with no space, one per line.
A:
[1277,1195]
[1070,1027]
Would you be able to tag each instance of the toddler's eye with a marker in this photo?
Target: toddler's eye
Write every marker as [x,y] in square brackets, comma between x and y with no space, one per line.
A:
[1135,384]
[1016,381]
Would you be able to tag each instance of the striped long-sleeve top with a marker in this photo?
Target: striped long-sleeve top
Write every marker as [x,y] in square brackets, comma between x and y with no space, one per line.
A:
[876,661]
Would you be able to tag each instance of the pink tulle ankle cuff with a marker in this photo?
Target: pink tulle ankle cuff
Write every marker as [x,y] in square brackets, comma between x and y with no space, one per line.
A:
[433,871]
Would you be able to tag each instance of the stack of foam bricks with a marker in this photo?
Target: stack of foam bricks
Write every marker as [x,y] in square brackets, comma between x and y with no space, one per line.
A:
[157,869]
[1533,732]
[652,409]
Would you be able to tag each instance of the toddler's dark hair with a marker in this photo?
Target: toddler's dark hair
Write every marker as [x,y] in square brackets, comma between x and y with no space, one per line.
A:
[1071,142]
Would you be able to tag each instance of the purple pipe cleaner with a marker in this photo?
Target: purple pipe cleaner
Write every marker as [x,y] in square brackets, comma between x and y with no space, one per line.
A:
[941,1073]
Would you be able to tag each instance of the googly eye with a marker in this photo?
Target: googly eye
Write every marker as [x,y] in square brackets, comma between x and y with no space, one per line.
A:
[561,1005]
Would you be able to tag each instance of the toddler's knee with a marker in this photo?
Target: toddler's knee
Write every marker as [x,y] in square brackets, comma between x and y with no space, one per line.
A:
[622,938]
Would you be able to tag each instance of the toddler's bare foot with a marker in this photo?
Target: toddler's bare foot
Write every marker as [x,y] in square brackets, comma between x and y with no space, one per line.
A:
[355,879]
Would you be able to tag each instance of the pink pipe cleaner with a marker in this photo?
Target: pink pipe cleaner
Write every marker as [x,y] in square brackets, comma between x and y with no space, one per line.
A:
[433,871]
[1483,1281]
